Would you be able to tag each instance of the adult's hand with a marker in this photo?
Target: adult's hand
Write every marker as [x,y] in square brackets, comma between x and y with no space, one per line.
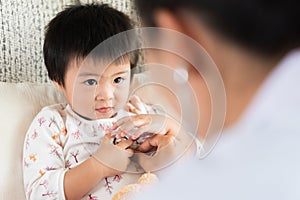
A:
[161,151]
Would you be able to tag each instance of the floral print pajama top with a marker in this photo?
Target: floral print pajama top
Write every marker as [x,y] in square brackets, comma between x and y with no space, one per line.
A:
[58,140]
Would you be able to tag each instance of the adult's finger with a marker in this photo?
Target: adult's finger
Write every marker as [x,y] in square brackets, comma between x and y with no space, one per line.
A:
[155,142]
[124,144]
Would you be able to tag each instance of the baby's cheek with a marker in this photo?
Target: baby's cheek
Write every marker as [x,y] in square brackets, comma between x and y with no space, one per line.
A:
[121,96]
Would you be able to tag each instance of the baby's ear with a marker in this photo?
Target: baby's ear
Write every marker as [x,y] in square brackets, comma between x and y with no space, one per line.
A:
[58,86]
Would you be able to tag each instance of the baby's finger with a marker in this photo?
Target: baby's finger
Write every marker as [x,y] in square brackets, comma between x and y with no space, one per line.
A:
[134,99]
[107,136]
[136,102]
[120,134]
[135,133]
[130,108]
[141,120]
[127,127]
[120,122]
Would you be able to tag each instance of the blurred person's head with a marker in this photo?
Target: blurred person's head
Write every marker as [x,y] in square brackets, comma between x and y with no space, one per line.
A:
[266,27]
[245,38]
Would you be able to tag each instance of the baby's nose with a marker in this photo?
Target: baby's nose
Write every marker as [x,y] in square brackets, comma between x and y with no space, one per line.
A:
[104,92]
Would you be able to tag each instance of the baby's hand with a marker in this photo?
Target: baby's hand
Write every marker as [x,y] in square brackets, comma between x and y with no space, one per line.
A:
[137,106]
[143,124]
[119,152]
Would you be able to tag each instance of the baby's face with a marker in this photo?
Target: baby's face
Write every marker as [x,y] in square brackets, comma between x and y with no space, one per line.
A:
[97,93]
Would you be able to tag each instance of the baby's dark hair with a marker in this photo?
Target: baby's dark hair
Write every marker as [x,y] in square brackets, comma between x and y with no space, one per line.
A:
[77,30]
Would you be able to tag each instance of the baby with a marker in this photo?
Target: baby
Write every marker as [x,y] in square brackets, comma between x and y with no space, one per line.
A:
[83,149]
[68,152]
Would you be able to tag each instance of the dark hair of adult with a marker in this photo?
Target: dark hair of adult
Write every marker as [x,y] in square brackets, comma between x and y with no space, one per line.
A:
[76,31]
[267,27]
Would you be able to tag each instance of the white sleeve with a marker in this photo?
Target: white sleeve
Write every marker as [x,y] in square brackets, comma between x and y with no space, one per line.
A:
[199,145]
[43,157]
[199,148]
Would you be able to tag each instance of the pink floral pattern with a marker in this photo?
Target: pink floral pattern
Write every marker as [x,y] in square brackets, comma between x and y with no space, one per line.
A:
[49,151]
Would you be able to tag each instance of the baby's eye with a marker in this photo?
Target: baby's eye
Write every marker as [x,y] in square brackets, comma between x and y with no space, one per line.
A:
[90,82]
[118,80]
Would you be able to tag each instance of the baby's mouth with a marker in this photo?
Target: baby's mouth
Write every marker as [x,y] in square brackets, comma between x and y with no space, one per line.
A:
[104,109]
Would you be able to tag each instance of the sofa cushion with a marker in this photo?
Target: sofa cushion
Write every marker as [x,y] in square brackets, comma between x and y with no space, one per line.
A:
[19,103]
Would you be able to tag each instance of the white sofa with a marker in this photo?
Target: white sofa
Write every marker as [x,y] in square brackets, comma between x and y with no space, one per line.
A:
[19,103]
[24,85]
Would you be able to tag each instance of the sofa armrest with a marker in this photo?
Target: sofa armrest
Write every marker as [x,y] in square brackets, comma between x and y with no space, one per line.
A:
[19,103]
